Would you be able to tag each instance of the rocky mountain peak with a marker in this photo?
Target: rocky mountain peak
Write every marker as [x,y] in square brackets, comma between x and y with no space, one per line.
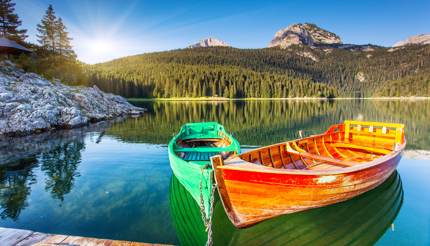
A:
[421,39]
[303,34]
[209,42]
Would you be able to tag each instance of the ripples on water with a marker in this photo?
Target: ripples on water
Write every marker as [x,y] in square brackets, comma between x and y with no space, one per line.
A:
[113,180]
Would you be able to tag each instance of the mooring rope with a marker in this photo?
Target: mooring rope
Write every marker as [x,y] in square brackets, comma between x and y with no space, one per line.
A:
[209,227]
[202,201]
[207,218]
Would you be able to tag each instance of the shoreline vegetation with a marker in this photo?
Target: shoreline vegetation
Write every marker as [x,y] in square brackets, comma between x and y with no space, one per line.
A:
[274,99]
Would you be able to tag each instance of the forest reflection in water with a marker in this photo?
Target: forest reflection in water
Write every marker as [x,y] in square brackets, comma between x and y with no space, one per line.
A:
[99,180]
[85,182]
[267,122]
[57,154]
[60,165]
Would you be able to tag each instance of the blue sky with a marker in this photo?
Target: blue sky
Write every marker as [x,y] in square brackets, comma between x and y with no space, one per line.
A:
[106,29]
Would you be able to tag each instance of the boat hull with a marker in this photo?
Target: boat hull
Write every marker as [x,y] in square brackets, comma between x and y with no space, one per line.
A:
[191,164]
[252,196]
[359,221]
[197,179]
[186,215]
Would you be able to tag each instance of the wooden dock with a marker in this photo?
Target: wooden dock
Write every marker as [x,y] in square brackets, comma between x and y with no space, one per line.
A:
[18,237]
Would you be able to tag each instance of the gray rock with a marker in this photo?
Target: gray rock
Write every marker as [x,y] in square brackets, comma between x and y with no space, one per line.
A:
[9,107]
[209,42]
[3,125]
[303,34]
[421,39]
[34,79]
[77,121]
[29,103]
[4,97]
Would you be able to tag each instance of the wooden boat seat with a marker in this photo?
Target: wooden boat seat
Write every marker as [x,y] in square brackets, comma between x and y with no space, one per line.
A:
[206,149]
[203,139]
[199,156]
[365,148]
[200,136]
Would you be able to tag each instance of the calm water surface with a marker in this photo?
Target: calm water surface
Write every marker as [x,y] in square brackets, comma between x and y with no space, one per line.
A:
[113,180]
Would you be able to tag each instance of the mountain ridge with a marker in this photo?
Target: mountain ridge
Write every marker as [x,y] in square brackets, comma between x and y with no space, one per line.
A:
[420,39]
[209,42]
[309,34]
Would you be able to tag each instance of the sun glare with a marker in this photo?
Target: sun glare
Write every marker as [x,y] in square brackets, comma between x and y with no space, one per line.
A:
[101,46]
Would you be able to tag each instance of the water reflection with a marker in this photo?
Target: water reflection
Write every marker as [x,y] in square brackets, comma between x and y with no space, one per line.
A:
[266,122]
[186,215]
[15,182]
[58,154]
[60,166]
[81,182]
[359,221]
[109,186]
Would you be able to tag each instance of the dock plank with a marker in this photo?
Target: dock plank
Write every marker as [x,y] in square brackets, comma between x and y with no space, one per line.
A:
[74,240]
[18,237]
[52,240]
[32,239]
[13,236]
[87,241]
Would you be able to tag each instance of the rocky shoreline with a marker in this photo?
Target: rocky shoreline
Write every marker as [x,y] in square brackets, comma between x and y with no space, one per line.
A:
[30,103]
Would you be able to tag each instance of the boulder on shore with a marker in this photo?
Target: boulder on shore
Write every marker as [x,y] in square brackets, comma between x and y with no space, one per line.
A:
[29,103]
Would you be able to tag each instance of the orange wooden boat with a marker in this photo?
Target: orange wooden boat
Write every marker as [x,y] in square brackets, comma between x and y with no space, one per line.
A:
[345,161]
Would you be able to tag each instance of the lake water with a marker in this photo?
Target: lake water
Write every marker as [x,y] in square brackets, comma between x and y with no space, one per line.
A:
[113,179]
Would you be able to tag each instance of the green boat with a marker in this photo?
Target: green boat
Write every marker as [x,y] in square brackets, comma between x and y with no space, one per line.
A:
[189,154]
[359,221]
[186,216]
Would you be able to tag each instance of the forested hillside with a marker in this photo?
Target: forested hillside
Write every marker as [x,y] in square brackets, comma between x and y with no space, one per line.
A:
[299,71]
[413,85]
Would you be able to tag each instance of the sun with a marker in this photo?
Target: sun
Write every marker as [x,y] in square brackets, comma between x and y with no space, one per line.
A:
[100,46]
[97,48]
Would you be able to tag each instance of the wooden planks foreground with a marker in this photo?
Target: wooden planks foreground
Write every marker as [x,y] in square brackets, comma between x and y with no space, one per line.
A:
[18,237]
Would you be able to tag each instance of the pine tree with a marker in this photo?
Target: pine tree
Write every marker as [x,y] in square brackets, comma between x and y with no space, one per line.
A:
[47,30]
[10,22]
[63,40]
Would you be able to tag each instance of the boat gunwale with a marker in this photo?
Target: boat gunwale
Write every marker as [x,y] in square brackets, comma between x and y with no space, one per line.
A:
[265,169]
[172,142]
